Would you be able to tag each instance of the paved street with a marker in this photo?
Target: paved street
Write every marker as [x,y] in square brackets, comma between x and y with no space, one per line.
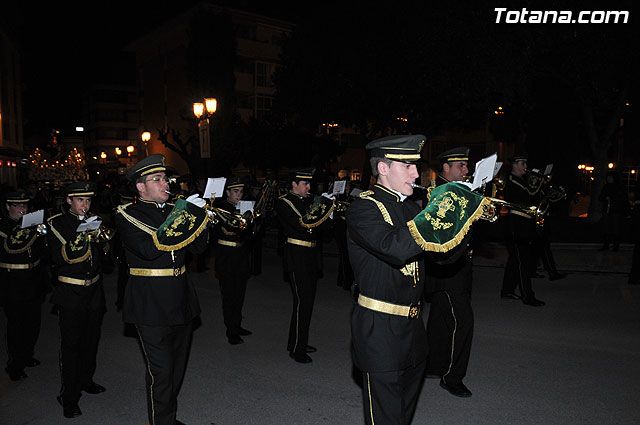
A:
[574,361]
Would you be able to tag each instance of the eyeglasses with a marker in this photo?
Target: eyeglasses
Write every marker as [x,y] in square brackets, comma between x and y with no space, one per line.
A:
[164,179]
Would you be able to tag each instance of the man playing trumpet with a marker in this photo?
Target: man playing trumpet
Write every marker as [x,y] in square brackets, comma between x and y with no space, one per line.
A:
[450,323]
[78,295]
[160,299]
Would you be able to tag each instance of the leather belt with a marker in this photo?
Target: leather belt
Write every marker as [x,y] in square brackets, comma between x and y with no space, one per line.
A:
[411,311]
[80,282]
[157,272]
[300,242]
[520,213]
[229,243]
[11,266]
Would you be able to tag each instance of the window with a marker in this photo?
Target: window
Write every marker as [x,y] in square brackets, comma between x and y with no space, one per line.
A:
[264,72]
[263,107]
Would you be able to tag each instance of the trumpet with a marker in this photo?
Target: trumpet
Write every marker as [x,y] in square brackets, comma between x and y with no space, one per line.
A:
[235,220]
[491,212]
[218,215]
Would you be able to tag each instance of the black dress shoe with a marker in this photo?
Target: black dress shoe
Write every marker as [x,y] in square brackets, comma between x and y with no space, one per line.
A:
[32,362]
[14,374]
[93,388]
[533,301]
[310,349]
[70,411]
[234,339]
[244,332]
[510,296]
[180,423]
[300,357]
[458,390]
[556,276]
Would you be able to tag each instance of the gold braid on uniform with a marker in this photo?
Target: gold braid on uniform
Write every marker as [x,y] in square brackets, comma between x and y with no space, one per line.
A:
[64,242]
[139,224]
[409,269]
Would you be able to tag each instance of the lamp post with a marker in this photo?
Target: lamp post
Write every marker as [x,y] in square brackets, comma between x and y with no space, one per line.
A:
[130,150]
[203,111]
[145,136]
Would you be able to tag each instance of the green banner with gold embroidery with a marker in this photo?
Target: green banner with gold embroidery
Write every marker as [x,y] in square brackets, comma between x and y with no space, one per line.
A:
[317,213]
[447,217]
[77,249]
[185,223]
[20,240]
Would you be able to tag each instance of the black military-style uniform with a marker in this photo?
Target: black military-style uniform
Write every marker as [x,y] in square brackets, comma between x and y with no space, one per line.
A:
[520,233]
[450,322]
[23,285]
[389,349]
[79,297]
[301,264]
[345,271]
[232,266]
[161,301]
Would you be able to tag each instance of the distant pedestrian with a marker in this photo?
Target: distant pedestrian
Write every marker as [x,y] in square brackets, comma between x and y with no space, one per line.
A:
[615,207]
[634,274]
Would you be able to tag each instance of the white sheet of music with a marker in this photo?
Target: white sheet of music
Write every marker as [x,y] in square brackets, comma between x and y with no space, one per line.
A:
[338,187]
[245,206]
[215,187]
[484,171]
[32,219]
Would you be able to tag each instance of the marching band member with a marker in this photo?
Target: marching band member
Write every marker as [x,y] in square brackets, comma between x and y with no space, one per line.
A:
[450,322]
[232,264]
[300,215]
[78,295]
[521,231]
[160,299]
[23,284]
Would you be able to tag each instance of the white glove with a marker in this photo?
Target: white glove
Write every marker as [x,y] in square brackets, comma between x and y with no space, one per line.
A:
[326,195]
[92,218]
[195,199]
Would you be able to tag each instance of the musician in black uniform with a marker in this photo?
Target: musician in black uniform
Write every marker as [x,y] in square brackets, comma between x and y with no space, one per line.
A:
[232,263]
[300,259]
[389,341]
[520,234]
[450,322]
[345,272]
[160,299]
[23,284]
[78,294]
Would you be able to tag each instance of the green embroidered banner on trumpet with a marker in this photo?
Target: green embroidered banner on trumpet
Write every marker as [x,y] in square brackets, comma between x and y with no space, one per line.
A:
[317,213]
[185,222]
[447,217]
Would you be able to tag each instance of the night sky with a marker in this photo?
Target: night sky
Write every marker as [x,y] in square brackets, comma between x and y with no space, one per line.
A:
[67,47]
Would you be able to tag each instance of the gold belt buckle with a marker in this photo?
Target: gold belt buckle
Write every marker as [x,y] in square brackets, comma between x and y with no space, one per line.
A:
[414,310]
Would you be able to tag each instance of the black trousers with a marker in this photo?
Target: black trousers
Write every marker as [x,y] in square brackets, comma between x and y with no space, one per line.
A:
[450,333]
[390,398]
[303,280]
[80,329]
[166,351]
[233,287]
[517,271]
[23,328]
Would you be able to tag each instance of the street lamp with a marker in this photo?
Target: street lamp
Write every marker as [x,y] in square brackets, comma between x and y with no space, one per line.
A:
[145,137]
[118,151]
[203,111]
